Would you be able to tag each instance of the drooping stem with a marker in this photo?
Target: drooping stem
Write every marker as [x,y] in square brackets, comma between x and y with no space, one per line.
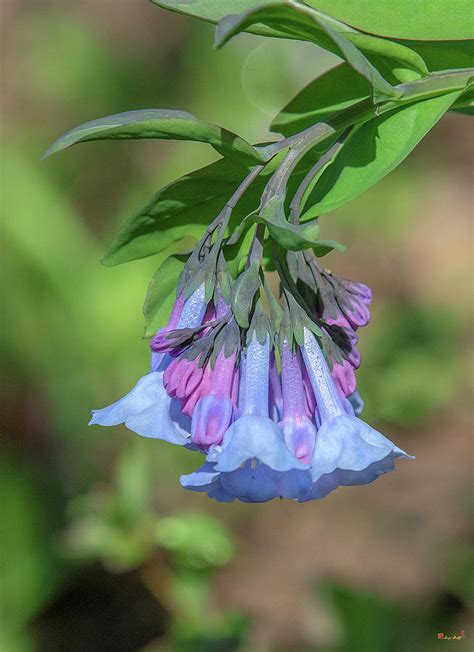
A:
[325,159]
[222,219]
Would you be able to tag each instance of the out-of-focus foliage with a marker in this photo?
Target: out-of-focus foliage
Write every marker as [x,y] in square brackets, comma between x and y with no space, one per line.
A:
[75,497]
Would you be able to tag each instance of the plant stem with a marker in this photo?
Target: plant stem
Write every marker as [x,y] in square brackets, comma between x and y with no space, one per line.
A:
[326,158]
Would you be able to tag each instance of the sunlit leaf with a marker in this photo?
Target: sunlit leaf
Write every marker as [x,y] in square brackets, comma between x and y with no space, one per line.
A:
[333,91]
[440,20]
[375,149]
[161,124]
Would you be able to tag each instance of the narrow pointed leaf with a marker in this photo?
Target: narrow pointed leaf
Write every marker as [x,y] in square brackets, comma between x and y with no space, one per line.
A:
[163,124]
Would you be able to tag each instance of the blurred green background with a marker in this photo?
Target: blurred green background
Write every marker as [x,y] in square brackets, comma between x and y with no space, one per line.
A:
[100,548]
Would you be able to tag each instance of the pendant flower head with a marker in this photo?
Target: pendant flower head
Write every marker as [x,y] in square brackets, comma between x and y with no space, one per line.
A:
[270,401]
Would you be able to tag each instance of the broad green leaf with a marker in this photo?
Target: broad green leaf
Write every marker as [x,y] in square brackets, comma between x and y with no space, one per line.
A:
[304,23]
[177,215]
[440,20]
[445,55]
[181,209]
[375,149]
[243,294]
[404,19]
[161,294]
[382,89]
[333,91]
[186,206]
[162,124]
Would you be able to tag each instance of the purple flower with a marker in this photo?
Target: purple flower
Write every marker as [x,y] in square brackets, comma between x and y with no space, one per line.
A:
[254,435]
[147,408]
[275,396]
[213,412]
[347,450]
[298,429]
[265,434]
[344,377]
[253,463]
[182,377]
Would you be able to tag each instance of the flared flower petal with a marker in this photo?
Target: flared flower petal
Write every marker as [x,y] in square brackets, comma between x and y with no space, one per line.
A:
[344,478]
[147,410]
[300,436]
[349,451]
[253,483]
[255,437]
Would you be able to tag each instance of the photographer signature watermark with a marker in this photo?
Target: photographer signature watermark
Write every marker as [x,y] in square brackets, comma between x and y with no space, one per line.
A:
[452,637]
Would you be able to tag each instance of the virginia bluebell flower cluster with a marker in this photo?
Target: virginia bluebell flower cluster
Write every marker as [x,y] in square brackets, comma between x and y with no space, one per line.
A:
[272,405]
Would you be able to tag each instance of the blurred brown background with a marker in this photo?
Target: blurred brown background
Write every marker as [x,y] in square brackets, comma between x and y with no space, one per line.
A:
[101,549]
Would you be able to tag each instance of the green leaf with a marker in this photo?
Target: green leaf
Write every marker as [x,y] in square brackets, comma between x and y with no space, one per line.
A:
[333,91]
[381,88]
[176,216]
[158,123]
[243,293]
[301,22]
[179,210]
[161,294]
[324,247]
[445,55]
[440,20]
[403,19]
[375,149]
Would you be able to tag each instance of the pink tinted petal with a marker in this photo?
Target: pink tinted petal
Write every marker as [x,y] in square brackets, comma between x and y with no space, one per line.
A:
[189,381]
[344,378]
[339,321]
[300,437]
[201,390]
[354,358]
[211,418]
[358,314]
